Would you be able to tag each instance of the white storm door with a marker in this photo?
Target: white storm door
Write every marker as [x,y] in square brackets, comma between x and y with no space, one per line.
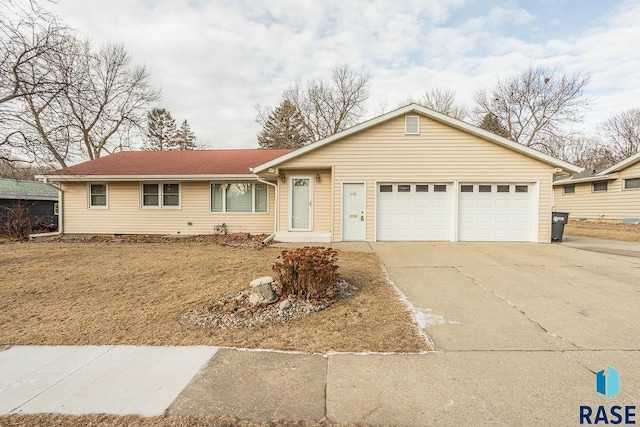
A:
[301,198]
[353,220]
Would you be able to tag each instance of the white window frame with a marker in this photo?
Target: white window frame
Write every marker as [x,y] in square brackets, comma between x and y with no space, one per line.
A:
[406,119]
[624,184]
[160,204]
[593,187]
[89,194]
[224,197]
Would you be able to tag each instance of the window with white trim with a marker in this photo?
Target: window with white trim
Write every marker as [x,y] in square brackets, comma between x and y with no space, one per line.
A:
[239,197]
[631,183]
[160,195]
[569,189]
[600,186]
[98,195]
[412,125]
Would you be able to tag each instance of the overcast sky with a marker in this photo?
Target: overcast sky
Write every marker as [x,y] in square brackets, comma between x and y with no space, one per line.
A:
[215,60]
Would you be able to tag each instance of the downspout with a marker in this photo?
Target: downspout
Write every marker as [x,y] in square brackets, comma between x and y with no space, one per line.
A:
[60,222]
[276,207]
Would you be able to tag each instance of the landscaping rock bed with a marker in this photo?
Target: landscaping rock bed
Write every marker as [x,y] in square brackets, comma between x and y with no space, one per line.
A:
[239,240]
[236,312]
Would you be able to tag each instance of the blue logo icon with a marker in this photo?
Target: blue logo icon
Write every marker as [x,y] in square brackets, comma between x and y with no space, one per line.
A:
[608,385]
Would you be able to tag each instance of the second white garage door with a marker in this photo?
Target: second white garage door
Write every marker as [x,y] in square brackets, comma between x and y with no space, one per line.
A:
[495,212]
[414,212]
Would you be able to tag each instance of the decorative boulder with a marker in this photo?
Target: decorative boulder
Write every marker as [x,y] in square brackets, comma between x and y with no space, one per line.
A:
[261,281]
[262,294]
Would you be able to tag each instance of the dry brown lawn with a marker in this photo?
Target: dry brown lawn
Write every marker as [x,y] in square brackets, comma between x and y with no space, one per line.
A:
[102,420]
[604,230]
[60,293]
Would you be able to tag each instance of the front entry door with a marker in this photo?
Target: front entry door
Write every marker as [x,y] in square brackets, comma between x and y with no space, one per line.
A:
[353,220]
[300,217]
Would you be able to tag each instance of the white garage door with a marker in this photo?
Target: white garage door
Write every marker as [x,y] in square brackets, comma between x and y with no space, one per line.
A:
[414,212]
[495,212]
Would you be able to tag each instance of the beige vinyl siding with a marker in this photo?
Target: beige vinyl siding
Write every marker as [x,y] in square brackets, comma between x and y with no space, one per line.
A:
[321,199]
[124,215]
[440,153]
[614,204]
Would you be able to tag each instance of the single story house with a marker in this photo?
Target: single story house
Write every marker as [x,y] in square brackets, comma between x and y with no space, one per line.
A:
[39,199]
[412,174]
[609,194]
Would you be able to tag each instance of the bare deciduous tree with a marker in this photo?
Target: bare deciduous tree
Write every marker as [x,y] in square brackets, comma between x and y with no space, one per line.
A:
[535,105]
[621,134]
[584,151]
[443,101]
[327,107]
[28,36]
[109,100]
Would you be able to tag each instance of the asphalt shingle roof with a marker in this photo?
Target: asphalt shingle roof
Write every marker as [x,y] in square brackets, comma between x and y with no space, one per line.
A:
[26,190]
[189,162]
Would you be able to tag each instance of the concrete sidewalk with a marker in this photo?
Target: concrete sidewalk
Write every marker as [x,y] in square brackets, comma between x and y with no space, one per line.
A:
[96,379]
[437,388]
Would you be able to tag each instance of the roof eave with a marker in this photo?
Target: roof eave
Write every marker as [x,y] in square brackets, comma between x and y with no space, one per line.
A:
[629,161]
[443,118]
[204,177]
[28,197]
[594,178]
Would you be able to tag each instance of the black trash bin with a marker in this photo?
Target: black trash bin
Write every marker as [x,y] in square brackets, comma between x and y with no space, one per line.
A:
[558,220]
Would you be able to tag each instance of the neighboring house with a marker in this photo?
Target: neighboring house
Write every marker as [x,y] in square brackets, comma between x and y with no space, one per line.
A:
[608,194]
[40,200]
[411,174]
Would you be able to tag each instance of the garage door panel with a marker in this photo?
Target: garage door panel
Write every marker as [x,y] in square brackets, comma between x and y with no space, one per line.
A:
[414,215]
[503,203]
[493,216]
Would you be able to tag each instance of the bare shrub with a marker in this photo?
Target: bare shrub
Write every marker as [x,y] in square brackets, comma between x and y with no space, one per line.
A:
[309,272]
[17,224]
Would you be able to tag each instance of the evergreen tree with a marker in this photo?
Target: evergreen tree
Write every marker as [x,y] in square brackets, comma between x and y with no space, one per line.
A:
[161,130]
[285,128]
[185,139]
[492,124]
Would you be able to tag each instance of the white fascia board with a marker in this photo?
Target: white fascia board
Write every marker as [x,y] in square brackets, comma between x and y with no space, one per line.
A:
[621,165]
[443,118]
[579,180]
[230,177]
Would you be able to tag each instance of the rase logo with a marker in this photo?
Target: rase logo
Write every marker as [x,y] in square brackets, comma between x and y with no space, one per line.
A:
[608,385]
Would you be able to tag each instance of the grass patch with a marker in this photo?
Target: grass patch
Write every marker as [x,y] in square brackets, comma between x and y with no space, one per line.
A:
[102,420]
[58,293]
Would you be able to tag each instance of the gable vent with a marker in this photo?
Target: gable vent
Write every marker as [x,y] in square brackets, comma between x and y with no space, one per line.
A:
[412,125]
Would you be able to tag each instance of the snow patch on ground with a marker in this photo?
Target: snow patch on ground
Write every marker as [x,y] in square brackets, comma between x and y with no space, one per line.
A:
[418,316]
[426,318]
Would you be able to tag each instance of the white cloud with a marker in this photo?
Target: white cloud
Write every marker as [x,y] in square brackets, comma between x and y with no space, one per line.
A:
[216,59]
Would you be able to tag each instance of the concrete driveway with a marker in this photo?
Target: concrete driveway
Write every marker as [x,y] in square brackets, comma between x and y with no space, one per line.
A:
[519,296]
[521,328]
